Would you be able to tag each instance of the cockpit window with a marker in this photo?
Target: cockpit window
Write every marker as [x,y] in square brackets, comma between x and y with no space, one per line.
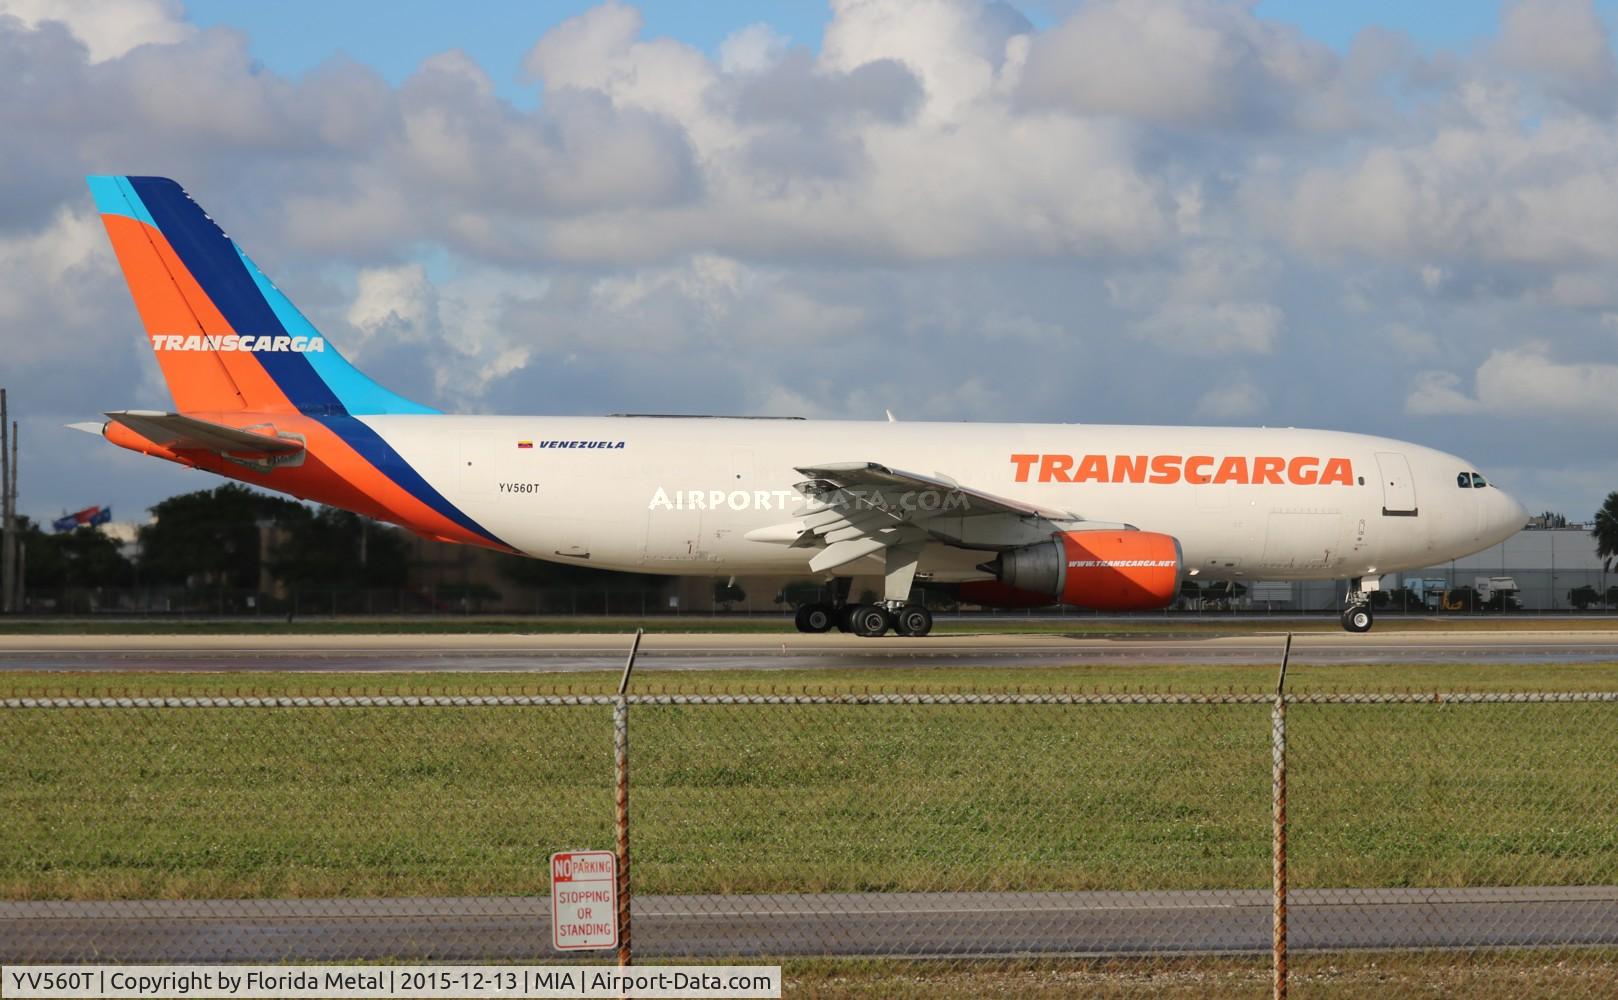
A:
[1464,480]
[1477,482]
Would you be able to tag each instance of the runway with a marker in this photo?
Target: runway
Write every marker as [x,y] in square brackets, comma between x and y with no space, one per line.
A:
[571,653]
[898,924]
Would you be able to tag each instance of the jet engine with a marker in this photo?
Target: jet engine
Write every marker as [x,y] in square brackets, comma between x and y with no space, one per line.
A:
[1099,570]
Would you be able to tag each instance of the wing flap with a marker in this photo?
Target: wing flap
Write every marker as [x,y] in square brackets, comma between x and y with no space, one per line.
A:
[840,554]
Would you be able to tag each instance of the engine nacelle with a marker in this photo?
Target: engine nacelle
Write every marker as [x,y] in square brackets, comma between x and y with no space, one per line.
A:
[1099,570]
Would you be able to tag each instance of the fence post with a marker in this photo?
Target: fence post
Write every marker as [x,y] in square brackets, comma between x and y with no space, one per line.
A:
[620,760]
[1278,815]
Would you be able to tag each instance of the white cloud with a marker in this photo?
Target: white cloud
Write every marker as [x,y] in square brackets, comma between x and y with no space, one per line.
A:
[1437,393]
[1524,385]
[752,49]
[394,302]
[109,28]
[1207,330]
[1212,301]
[1199,63]
[57,278]
[601,50]
[1231,401]
[1410,341]
[1502,195]
[1564,42]
[956,47]
[579,52]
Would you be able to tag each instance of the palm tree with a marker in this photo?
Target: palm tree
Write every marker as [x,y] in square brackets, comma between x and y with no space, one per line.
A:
[1606,531]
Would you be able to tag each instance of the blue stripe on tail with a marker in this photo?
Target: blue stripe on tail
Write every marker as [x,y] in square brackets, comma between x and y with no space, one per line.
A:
[358,393]
[212,259]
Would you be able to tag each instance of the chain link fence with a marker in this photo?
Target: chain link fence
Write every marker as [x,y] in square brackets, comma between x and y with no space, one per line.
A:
[1477,831]
[1427,844]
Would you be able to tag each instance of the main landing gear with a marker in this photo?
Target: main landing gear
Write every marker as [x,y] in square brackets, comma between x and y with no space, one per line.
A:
[869,620]
[1357,616]
[813,618]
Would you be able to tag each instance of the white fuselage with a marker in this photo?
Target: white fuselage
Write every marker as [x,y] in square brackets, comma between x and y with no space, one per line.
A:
[681,495]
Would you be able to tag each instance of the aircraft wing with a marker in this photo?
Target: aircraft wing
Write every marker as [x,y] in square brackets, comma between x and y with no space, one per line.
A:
[881,483]
[857,509]
[181,433]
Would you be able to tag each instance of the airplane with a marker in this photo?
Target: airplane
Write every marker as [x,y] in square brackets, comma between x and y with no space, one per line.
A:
[1110,518]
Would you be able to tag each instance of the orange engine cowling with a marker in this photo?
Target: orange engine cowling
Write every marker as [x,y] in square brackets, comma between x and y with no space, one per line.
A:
[1100,570]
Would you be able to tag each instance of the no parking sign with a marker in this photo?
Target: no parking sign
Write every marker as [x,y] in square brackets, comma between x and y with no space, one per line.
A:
[584,900]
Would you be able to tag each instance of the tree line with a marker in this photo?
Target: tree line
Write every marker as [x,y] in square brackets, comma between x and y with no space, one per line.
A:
[233,538]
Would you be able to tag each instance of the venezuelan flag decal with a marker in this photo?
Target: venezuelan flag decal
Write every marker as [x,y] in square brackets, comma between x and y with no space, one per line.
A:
[231,345]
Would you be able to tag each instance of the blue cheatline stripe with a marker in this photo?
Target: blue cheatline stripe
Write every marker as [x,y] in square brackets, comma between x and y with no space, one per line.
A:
[374,449]
[357,392]
[212,259]
[114,196]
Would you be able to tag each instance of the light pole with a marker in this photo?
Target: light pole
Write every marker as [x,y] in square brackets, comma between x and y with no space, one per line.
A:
[9,568]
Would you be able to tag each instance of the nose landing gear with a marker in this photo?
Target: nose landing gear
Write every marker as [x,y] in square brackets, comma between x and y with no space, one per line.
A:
[1357,616]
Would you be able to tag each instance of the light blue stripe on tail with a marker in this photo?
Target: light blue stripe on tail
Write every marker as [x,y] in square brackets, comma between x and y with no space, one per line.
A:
[358,394]
[114,196]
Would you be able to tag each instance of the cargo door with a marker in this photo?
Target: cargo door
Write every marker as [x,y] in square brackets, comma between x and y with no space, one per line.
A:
[1398,488]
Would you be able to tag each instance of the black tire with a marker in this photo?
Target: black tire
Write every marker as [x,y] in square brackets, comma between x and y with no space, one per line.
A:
[913,620]
[845,617]
[870,621]
[813,618]
[1358,618]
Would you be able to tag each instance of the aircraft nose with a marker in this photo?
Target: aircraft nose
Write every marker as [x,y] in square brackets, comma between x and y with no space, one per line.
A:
[1506,515]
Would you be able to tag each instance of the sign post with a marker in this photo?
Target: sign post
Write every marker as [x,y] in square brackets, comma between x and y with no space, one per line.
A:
[584,900]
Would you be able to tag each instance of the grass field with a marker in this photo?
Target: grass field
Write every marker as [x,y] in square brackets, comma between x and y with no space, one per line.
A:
[1505,976]
[1077,624]
[351,802]
[1190,678]
[360,802]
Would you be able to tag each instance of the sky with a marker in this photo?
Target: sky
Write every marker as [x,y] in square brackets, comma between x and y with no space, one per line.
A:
[1385,217]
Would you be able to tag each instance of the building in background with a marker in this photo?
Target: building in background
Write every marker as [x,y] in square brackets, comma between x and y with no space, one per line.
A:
[1551,569]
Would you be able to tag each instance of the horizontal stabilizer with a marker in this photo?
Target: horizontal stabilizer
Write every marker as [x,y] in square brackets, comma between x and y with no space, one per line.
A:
[181,433]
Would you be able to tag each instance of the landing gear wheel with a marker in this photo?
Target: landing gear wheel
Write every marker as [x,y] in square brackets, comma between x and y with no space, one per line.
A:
[913,620]
[870,620]
[845,616]
[1357,618]
[813,618]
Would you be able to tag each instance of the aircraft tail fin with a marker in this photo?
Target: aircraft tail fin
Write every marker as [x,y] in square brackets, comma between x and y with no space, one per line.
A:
[224,335]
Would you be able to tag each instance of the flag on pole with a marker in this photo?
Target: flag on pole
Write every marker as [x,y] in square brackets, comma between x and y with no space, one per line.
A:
[89,517]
